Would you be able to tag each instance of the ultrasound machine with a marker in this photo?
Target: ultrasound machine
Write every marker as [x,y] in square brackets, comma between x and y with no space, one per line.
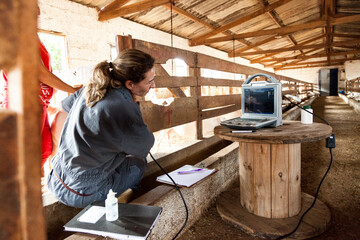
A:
[261,105]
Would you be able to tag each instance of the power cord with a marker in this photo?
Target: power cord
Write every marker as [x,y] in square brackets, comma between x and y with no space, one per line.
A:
[330,143]
[182,197]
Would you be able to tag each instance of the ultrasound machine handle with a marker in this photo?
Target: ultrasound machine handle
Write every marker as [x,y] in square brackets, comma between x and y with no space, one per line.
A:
[271,78]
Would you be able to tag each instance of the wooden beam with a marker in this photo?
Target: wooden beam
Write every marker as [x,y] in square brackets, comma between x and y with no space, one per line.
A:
[304,57]
[188,15]
[19,20]
[299,44]
[195,41]
[196,19]
[334,44]
[132,8]
[332,61]
[284,30]
[182,110]
[308,66]
[112,6]
[278,31]
[231,54]
[345,35]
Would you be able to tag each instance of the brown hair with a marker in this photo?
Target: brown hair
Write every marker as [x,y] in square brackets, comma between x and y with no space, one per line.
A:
[131,64]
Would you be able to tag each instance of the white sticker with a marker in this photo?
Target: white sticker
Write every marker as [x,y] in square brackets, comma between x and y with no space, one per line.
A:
[92,215]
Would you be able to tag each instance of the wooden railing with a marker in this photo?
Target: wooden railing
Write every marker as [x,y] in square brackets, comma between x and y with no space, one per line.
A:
[196,107]
[353,85]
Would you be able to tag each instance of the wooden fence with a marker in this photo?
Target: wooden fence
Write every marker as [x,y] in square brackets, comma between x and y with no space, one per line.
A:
[352,85]
[196,107]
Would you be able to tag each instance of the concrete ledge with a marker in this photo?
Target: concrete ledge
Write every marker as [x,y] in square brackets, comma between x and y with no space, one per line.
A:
[351,102]
[198,198]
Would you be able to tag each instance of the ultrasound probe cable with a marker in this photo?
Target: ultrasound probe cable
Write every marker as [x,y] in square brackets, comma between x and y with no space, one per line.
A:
[330,143]
[182,197]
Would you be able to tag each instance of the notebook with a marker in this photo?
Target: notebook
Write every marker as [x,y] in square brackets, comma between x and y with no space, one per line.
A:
[260,105]
[186,176]
[135,221]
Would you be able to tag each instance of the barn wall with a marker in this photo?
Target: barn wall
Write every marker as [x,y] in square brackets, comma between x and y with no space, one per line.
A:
[88,39]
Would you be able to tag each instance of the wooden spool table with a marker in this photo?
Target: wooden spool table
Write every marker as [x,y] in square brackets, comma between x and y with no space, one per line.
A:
[269,202]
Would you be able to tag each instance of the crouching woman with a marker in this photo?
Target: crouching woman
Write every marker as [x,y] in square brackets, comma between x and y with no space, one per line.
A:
[104,142]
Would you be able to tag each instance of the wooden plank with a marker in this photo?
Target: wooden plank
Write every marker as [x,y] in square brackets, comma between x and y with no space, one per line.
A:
[132,8]
[206,102]
[262,180]
[279,181]
[220,82]
[10,39]
[170,82]
[123,42]
[218,112]
[246,175]
[24,100]
[294,179]
[157,117]
[313,224]
[112,6]
[162,53]
[197,94]
[284,92]
[9,184]
[205,61]
[278,31]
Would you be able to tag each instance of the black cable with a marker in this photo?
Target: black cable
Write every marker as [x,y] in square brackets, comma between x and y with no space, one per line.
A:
[306,110]
[312,205]
[182,197]
[318,189]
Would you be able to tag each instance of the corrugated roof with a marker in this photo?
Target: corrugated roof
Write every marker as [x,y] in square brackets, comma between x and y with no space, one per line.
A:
[281,31]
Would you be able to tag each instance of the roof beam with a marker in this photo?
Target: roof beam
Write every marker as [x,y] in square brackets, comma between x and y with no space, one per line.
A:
[284,30]
[279,23]
[194,41]
[331,63]
[198,20]
[299,44]
[297,47]
[112,6]
[132,8]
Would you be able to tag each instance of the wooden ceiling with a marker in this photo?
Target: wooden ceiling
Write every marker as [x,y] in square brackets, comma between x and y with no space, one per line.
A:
[282,34]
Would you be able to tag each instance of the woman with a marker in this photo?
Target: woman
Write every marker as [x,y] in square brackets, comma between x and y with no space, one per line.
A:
[104,142]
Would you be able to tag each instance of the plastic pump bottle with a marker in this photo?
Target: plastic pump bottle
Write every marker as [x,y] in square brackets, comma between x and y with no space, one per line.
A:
[111,206]
[306,117]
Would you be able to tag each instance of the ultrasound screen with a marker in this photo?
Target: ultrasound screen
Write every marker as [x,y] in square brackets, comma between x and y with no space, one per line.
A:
[259,100]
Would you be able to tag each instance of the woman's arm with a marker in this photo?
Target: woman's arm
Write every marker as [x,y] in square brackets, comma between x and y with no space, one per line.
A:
[53,81]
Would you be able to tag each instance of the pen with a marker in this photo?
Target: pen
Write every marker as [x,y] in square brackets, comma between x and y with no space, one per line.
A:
[190,171]
[242,131]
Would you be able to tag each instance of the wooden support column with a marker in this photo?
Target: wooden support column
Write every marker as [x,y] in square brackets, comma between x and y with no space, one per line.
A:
[21,210]
[123,42]
[199,126]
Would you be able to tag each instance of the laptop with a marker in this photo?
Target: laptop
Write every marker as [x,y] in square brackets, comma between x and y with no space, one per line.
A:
[260,105]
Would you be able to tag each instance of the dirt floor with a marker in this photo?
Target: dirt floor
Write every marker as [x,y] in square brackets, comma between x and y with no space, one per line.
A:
[340,189]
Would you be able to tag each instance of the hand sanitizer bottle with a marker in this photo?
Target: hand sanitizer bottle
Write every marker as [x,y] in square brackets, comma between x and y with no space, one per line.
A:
[111,206]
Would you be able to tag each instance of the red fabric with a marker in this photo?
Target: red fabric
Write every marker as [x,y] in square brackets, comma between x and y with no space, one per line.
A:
[46,93]
[46,140]
[5,100]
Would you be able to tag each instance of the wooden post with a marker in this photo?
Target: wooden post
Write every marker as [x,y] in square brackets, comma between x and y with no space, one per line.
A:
[22,212]
[199,127]
[123,42]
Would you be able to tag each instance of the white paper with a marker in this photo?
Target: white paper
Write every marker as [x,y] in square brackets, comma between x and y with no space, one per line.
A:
[185,179]
[92,215]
